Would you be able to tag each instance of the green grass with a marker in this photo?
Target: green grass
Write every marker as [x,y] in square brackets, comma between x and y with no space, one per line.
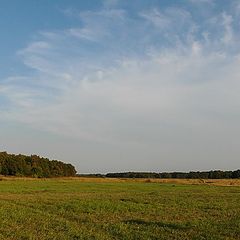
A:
[60,209]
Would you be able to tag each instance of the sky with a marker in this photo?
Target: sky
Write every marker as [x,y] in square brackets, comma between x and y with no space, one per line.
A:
[119,85]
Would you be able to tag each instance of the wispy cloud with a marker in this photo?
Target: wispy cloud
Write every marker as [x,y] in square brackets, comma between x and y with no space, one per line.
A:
[147,78]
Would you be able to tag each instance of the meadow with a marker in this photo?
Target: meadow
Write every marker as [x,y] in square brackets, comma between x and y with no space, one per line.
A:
[75,208]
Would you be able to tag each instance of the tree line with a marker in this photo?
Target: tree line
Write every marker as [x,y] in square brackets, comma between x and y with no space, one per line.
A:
[33,166]
[217,174]
[36,166]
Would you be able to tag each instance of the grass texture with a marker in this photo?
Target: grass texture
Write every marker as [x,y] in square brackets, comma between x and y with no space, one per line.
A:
[100,209]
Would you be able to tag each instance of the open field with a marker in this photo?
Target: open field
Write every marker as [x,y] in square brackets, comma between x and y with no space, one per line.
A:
[214,182]
[82,208]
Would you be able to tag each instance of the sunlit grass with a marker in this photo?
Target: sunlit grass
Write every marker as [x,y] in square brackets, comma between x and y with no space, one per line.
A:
[117,209]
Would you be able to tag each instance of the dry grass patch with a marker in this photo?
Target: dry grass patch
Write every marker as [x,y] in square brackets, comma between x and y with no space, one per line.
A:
[214,182]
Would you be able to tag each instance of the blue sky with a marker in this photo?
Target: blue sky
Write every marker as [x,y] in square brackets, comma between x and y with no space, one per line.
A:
[122,85]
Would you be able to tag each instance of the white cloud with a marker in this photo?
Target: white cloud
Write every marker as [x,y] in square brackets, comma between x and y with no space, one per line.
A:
[110,105]
[227,23]
[157,18]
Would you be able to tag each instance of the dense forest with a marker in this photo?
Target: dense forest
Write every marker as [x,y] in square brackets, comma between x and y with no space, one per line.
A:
[218,174]
[33,166]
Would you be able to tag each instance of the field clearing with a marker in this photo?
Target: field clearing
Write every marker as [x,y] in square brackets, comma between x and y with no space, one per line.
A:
[101,208]
[214,182]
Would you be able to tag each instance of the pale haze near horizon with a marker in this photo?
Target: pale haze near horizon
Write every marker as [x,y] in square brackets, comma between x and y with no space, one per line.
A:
[114,86]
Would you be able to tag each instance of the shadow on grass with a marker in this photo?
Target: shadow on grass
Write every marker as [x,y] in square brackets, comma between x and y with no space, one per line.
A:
[129,200]
[174,226]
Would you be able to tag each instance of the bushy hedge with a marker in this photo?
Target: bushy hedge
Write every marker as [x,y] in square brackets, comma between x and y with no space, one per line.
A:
[33,166]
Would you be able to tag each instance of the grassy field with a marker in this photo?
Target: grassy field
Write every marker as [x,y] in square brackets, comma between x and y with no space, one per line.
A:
[119,209]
